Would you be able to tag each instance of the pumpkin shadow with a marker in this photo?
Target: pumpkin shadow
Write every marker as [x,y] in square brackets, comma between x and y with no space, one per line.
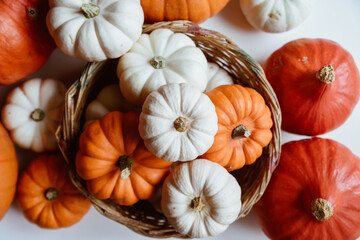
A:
[233,15]
[61,67]
[249,222]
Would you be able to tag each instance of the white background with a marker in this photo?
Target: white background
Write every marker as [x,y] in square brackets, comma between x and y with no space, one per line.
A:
[331,19]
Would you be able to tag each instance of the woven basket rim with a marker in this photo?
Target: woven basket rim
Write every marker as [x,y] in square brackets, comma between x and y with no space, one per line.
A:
[68,132]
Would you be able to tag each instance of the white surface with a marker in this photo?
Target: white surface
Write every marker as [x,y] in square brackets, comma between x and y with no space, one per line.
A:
[331,19]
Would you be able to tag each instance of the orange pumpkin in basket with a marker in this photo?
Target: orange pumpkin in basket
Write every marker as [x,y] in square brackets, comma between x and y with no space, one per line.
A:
[114,161]
[244,123]
[8,171]
[194,10]
[47,196]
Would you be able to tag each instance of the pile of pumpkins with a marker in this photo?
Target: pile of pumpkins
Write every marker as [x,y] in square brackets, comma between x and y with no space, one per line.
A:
[170,107]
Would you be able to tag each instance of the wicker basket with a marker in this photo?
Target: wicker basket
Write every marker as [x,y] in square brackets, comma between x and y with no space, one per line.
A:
[141,217]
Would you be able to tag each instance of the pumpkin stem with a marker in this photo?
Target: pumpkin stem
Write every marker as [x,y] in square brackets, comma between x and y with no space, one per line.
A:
[51,194]
[240,132]
[90,10]
[32,12]
[181,124]
[125,163]
[37,115]
[158,62]
[326,74]
[197,204]
[321,209]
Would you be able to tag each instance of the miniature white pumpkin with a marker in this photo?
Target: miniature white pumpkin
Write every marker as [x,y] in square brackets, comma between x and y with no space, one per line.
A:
[32,113]
[217,77]
[94,30]
[157,59]
[178,122]
[276,15]
[200,198]
[109,99]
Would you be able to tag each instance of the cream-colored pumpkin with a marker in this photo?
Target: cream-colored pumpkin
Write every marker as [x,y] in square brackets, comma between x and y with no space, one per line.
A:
[109,99]
[217,77]
[178,122]
[200,198]
[157,59]
[94,30]
[32,113]
[276,15]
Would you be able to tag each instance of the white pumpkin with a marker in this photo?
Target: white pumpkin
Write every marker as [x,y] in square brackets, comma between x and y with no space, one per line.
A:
[276,15]
[157,59]
[109,99]
[178,122]
[200,198]
[217,77]
[94,30]
[32,113]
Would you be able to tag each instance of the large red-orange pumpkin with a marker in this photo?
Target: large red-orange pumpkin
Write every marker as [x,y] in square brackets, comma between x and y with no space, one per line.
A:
[313,194]
[25,44]
[47,196]
[196,11]
[8,171]
[317,84]
[114,161]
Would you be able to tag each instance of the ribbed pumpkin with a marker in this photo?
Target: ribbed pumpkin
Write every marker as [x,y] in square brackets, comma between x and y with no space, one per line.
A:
[317,84]
[25,44]
[114,161]
[47,196]
[196,11]
[313,194]
[8,171]
[244,123]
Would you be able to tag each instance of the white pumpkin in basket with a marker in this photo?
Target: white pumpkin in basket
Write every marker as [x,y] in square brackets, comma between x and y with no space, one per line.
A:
[200,198]
[217,77]
[276,15]
[157,59]
[32,113]
[109,99]
[178,122]
[94,30]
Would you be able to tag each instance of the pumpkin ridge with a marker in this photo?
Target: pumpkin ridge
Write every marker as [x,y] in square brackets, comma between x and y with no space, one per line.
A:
[159,52]
[98,37]
[120,127]
[121,28]
[38,182]
[76,39]
[92,140]
[148,81]
[138,190]
[54,211]
[35,215]
[28,97]
[196,100]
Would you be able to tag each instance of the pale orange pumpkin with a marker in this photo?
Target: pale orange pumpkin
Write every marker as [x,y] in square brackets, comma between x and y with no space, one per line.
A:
[196,11]
[8,171]
[244,126]
[47,196]
[114,161]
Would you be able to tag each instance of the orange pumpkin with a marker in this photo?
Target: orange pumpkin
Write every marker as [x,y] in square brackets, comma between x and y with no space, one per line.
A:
[47,196]
[25,43]
[8,171]
[244,123]
[114,161]
[196,11]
